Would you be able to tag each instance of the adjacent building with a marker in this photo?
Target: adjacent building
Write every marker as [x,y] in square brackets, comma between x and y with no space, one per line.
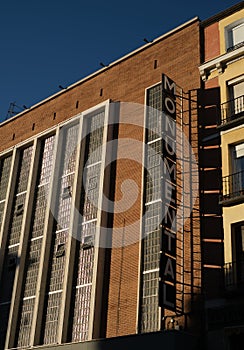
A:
[223,70]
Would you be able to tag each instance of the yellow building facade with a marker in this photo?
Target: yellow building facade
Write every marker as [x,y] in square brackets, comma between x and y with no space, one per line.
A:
[223,71]
[231,82]
[227,70]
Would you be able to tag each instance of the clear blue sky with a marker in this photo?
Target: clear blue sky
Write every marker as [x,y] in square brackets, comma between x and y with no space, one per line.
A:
[46,43]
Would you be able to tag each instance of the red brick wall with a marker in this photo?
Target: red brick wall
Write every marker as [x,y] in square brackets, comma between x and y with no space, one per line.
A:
[211,37]
[212,83]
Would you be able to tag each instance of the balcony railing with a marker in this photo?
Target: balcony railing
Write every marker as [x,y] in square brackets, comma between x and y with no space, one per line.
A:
[232,110]
[231,48]
[234,275]
[233,187]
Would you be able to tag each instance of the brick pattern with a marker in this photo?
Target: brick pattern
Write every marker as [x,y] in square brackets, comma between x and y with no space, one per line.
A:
[211,37]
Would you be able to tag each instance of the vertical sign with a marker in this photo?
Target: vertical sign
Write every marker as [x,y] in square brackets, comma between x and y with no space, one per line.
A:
[167,287]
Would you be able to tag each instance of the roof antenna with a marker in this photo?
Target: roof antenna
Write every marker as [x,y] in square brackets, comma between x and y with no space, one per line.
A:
[12,110]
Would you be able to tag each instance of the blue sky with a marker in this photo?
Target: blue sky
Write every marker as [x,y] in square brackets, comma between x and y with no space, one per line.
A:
[44,44]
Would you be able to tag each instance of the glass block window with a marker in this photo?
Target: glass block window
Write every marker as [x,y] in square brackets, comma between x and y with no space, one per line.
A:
[69,148]
[51,318]
[150,309]
[39,210]
[57,267]
[47,160]
[151,244]
[11,258]
[17,218]
[154,113]
[32,268]
[81,313]
[20,194]
[27,308]
[60,233]
[153,175]
[95,138]
[65,196]
[24,170]
[87,228]
[5,164]
[35,242]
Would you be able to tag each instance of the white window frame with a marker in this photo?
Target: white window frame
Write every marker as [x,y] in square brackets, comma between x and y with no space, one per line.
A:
[228,33]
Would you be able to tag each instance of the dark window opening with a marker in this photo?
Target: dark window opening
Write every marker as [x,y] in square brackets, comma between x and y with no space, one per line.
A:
[88,242]
[20,209]
[67,192]
[60,250]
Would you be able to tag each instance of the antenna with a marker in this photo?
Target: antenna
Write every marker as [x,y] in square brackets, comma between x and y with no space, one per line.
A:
[12,110]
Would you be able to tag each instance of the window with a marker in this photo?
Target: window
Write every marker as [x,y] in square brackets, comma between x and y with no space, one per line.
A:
[236,94]
[238,158]
[19,210]
[238,169]
[67,192]
[88,242]
[234,35]
[238,252]
[60,250]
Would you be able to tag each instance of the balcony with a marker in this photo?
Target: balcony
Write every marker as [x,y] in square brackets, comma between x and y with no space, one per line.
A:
[233,189]
[232,113]
[234,276]
[232,48]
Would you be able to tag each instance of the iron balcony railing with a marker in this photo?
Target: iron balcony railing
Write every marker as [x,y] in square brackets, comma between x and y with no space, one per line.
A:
[232,110]
[233,187]
[237,46]
[234,274]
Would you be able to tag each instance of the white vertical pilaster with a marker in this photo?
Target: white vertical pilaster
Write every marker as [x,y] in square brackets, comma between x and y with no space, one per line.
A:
[99,253]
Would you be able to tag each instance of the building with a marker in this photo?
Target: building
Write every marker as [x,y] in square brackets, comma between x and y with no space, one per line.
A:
[223,74]
[104,205]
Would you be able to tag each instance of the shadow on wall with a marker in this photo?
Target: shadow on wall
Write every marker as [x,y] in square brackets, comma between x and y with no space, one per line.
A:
[210,177]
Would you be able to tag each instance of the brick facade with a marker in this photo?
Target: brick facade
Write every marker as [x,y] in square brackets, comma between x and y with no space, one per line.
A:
[178,56]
